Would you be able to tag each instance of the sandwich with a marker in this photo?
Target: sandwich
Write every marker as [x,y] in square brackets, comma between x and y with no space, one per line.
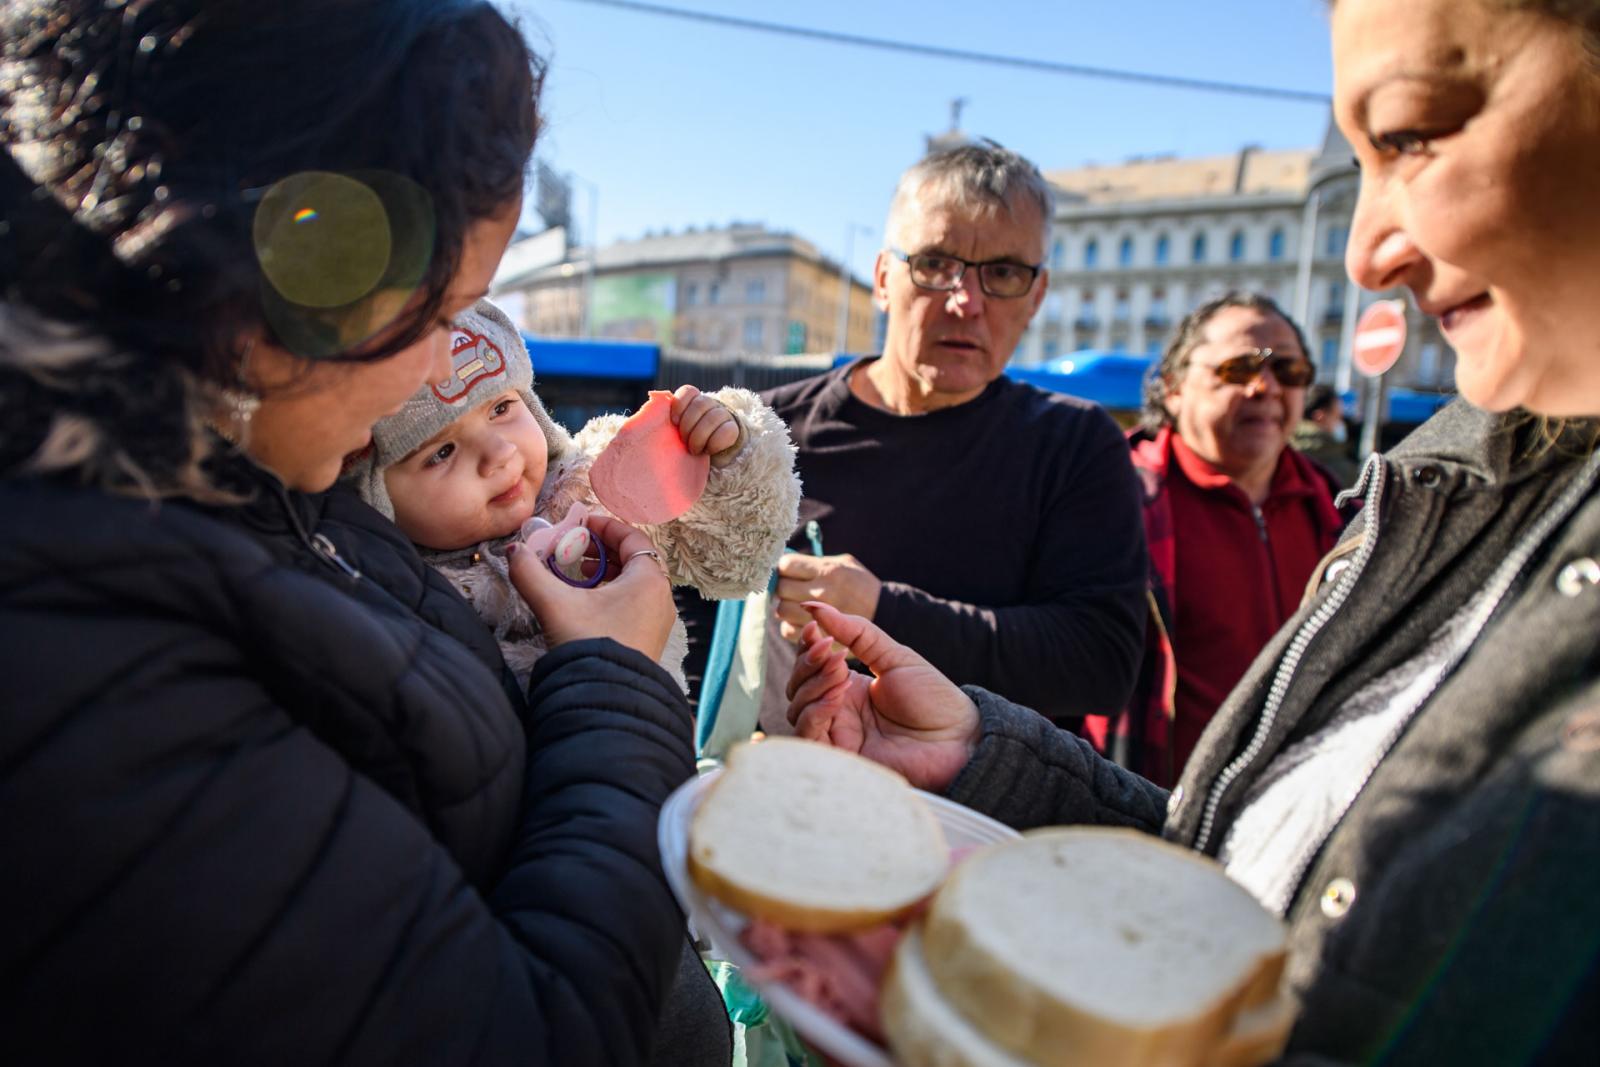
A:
[1089,946]
[1066,947]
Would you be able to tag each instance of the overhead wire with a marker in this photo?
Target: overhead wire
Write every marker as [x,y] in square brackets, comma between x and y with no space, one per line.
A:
[1046,66]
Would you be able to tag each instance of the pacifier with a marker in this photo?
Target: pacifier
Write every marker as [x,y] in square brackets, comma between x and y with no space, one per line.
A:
[564,545]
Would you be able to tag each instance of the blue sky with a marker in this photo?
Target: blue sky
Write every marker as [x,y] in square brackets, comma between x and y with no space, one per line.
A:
[680,123]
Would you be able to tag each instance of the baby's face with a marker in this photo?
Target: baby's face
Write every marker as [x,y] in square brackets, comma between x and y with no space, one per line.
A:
[477,479]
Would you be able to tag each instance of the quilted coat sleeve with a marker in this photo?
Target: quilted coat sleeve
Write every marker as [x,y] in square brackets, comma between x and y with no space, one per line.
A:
[190,877]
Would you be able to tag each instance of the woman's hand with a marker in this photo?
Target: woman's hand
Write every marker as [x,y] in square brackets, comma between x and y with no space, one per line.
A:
[634,608]
[706,425]
[908,716]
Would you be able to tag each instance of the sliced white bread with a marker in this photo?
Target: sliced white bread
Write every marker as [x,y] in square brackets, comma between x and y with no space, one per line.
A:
[1107,947]
[925,1031]
[1258,1034]
[922,1028]
[816,839]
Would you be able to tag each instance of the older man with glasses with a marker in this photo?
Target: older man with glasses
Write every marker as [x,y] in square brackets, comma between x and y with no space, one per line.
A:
[991,526]
[1236,520]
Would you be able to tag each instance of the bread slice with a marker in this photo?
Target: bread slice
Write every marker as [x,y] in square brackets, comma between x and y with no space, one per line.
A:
[925,1031]
[1085,946]
[1258,1034]
[921,1026]
[816,839]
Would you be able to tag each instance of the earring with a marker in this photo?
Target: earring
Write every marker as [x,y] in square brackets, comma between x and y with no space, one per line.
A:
[240,404]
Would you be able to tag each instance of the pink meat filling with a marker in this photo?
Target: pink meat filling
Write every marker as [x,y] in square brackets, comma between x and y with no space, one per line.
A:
[839,974]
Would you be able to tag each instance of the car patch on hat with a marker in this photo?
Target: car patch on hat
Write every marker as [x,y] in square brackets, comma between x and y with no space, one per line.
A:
[473,357]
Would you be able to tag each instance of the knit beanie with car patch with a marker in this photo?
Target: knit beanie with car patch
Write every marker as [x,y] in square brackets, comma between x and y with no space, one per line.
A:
[487,357]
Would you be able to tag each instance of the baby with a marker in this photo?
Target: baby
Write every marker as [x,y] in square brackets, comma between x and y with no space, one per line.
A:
[467,461]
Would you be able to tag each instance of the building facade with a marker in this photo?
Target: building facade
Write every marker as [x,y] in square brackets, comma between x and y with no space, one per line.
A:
[735,289]
[1136,246]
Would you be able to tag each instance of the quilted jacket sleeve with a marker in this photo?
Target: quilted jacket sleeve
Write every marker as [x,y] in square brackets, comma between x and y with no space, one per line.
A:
[192,878]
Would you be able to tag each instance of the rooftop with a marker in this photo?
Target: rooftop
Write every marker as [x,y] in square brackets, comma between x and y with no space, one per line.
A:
[1250,171]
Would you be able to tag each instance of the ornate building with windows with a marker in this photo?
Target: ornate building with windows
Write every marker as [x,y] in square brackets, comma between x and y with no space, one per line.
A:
[741,288]
[1137,245]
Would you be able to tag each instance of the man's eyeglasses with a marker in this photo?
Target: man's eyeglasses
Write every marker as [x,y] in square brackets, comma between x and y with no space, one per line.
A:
[1292,372]
[1002,278]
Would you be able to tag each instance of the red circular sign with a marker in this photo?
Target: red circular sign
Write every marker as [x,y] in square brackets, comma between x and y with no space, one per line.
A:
[1380,337]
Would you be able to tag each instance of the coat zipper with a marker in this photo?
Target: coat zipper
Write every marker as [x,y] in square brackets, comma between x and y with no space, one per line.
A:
[1373,476]
[319,544]
[1498,587]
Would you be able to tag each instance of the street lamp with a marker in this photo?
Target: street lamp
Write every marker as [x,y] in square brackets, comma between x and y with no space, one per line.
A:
[587,329]
[841,332]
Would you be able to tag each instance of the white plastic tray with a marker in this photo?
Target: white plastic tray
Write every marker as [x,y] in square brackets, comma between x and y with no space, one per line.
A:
[963,828]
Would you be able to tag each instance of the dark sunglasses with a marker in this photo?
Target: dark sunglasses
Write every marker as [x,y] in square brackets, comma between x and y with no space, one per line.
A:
[1292,372]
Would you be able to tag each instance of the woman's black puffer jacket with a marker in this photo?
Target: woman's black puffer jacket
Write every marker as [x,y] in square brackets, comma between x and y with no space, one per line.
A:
[264,798]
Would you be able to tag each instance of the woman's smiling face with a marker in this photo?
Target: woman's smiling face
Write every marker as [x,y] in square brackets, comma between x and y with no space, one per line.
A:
[1478,133]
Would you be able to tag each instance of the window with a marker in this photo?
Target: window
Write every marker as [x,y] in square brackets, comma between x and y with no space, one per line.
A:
[1091,255]
[1275,246]
[1198,253]
[1052,307]
[1236,247]
[1338,237]
[1330,351]
[1158,308]
[1163,250]
[754,332]
[755,291]
[1154,346]
[691,293]
[1052,348]
[1125,252]
[1058,252]
[714,293]
[1086,315]
[1124,307]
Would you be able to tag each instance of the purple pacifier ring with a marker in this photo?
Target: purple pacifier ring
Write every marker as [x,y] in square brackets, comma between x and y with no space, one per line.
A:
[582,583]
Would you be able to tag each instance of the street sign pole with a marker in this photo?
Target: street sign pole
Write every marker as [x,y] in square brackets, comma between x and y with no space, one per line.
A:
[1375,347]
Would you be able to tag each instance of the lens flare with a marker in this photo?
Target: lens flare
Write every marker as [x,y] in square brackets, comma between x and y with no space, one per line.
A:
[305,214]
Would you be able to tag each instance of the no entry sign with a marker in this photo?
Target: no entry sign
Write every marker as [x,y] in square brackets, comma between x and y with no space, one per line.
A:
[1380,337]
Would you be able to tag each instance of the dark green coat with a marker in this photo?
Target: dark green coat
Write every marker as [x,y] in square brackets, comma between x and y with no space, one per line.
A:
[1453,914]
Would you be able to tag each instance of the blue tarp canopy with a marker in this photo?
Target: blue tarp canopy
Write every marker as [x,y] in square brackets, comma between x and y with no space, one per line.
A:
[1113,380]
[635,360]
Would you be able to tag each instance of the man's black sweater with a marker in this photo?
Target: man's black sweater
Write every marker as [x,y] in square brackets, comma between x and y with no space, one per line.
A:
[1007,532]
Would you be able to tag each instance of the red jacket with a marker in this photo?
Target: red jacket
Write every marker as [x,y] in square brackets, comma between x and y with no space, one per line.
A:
[1216,595]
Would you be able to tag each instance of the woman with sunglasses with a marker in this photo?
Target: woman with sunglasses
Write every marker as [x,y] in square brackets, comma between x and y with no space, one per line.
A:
[1235,520]
[267,795]
[1409,773]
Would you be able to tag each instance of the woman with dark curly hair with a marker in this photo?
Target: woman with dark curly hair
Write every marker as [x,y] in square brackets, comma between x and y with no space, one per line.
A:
[265,793]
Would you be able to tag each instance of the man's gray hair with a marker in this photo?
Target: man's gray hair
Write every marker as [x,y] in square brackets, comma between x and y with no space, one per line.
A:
[973,177]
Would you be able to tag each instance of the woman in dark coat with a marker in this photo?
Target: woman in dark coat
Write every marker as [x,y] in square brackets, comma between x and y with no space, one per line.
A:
[265,793]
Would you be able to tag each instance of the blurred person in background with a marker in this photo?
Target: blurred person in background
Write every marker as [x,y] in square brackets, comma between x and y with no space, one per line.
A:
[1324,436]
[1236,521]
[989,524]
[268,794]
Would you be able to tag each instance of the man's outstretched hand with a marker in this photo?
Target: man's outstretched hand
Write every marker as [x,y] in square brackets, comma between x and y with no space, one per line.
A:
[907,716]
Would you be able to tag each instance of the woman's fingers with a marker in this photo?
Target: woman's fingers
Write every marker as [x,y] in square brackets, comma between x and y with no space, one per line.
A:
[879,652]
[828,676]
